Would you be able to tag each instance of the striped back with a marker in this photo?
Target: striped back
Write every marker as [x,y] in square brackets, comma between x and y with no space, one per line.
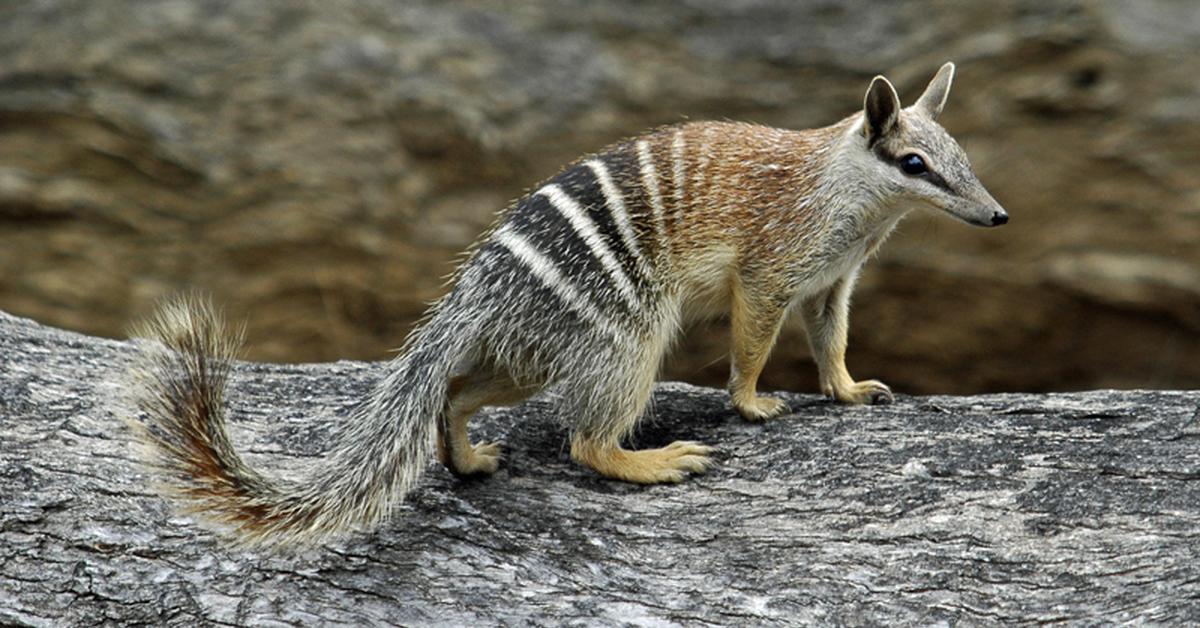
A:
[592,235]
[604,234]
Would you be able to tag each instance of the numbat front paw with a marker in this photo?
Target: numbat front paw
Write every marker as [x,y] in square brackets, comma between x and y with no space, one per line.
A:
[761,408]
[871,391]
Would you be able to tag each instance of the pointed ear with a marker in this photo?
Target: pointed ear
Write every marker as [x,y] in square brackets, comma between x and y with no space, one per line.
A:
[881,108]
[934,98]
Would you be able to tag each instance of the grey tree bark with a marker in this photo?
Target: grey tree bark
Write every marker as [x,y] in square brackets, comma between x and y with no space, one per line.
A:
[1079,507]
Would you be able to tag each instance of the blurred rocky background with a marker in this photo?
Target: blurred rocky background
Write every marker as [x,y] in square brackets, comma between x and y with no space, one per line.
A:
[317,166]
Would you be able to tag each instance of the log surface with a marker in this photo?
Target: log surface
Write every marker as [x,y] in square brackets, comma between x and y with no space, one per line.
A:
[1080,507]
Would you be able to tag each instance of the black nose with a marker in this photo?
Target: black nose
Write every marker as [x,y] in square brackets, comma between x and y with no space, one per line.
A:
[999,218]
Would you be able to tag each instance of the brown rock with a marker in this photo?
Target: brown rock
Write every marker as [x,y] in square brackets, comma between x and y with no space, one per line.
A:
[319,167]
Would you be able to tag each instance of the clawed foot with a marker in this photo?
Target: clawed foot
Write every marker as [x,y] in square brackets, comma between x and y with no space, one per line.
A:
[481,459]
[871,391]
[689,456]
[761,408]
[669,464]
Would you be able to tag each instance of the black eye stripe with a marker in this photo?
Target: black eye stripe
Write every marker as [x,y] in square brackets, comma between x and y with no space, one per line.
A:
[930,174]
[937,180]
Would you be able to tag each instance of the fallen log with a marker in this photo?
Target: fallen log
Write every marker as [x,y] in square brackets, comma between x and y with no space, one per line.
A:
[1081,507]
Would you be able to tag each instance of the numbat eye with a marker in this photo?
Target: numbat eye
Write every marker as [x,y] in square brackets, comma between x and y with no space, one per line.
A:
[913,164]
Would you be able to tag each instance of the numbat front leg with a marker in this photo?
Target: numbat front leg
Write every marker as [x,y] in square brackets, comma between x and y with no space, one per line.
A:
[755,319]
[826,318]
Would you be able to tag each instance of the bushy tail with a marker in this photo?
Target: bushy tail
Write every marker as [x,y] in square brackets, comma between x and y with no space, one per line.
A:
[178,385]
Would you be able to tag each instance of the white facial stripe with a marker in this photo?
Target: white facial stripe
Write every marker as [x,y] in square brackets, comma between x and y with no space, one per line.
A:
[677,162]
[616,208]
[650,183]
[586,230]
[543,268]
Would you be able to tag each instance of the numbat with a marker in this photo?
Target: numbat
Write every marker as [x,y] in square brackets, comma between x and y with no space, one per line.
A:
[582,286]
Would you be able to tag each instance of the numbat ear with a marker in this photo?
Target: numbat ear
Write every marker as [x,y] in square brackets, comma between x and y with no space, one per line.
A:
[934,98]
[881,109]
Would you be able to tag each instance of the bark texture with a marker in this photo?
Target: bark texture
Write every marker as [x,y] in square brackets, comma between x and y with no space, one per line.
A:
[1080,507]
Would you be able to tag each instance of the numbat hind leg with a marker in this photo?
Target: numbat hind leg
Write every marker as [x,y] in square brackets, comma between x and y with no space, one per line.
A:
[606,416]
[647,466]
[467,395]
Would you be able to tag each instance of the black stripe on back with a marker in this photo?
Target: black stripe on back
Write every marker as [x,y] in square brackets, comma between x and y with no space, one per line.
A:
[551,234]
[626,173]
[581,184]
[514,293]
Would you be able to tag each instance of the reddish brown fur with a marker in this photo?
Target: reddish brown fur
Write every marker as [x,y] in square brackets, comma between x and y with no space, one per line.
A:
[747,196]
[740,178]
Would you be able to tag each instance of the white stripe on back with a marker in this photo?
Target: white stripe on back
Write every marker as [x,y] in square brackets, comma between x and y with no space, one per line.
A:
[586,230]
[650,182]
[705,155]
[677,162]
[616,208]
[544,269]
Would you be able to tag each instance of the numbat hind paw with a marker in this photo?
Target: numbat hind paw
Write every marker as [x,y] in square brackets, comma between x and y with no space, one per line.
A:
[670,464]
[482,459]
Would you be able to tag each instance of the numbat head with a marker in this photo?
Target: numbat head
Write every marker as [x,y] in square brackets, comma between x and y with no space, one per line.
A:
[916,160]
[581,287]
